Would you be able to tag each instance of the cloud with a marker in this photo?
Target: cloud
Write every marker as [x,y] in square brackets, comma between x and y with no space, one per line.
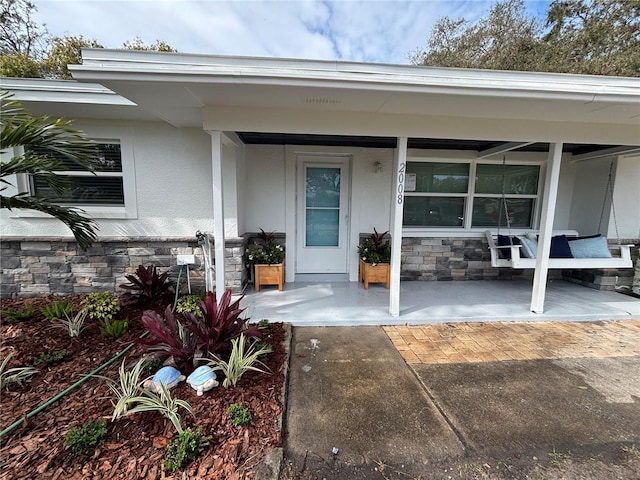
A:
[354,30]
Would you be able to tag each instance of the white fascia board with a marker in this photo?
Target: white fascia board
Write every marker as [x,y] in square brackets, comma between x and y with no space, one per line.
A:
[61,91]
[101,64]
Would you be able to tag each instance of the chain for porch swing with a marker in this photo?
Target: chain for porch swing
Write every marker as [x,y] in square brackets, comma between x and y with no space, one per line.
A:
[503,202]
[609,192]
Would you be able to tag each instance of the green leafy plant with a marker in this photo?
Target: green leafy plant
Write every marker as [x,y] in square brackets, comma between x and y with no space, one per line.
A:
[375,249]
[51,357]
[238,415]
[190,304]
[265,348]
[127,388]
[161,402]
[147,285]
[15,316]
[151,366]
[74,324]
[101,306]
[81,440]
[57,309]
[191,338]
[17,375]
[185,449]
[266,251]
[241,360]
[114,328]
[264,323]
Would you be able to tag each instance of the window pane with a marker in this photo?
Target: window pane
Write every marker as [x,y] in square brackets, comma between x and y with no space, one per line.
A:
[440,177]
[108,156]
[518,179]
[433,211]
[488,211]
[323,187]
[322,227]
[84,191]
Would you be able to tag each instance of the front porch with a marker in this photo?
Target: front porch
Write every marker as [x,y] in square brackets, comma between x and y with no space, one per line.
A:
[348,303]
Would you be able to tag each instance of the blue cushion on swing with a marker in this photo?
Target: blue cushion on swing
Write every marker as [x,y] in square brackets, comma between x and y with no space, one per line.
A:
[560,247]
[529,247]
[503,240]
[594,247]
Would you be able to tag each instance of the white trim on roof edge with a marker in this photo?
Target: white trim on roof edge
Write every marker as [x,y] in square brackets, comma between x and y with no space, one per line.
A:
[104,64]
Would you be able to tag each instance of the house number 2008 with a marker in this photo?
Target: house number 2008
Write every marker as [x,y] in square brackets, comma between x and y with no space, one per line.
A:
[401,183]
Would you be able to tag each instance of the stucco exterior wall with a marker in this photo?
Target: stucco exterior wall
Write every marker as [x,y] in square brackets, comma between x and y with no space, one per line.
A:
[264,190]
[590,182]
[171,192]
[626,197]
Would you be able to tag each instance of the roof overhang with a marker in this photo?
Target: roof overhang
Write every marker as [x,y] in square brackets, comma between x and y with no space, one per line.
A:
[71,99]
[181,88]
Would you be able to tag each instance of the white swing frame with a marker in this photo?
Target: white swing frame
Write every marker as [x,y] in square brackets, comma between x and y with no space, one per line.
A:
[620,260]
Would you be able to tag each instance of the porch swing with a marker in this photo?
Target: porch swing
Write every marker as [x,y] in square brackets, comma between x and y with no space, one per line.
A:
[583,252]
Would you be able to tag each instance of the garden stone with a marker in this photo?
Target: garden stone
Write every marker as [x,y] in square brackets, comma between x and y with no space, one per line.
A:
[202,379]
[168,376]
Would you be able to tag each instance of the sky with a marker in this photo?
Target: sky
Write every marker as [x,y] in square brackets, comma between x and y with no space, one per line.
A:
[381,31]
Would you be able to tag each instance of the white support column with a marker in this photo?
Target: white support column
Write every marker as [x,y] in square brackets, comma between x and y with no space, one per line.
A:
[546,227]
[218,209]
[397,208]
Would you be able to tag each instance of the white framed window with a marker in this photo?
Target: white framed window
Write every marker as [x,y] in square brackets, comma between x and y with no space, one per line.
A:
[466,194]
[110,193]
[104,188]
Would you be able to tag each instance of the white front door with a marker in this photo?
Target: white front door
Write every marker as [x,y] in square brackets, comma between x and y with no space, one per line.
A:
[322,214]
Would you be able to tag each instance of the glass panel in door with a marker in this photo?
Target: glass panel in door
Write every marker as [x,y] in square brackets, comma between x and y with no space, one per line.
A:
[322,207]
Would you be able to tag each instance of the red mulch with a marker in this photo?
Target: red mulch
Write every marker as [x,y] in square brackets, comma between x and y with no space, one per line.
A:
[134,448]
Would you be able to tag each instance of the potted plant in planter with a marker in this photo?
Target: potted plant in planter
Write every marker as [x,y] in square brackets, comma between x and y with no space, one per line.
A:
[267,258]
[375,258]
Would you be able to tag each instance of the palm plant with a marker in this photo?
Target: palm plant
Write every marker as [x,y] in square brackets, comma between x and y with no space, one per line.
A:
[21,129]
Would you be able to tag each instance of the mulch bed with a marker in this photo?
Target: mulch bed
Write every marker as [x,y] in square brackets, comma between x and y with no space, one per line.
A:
[135,444]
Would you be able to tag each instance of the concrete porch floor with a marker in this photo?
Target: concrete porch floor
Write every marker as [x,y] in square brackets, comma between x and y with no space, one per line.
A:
[348,303]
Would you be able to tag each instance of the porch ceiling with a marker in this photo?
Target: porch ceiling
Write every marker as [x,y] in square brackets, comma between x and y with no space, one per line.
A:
[417,143]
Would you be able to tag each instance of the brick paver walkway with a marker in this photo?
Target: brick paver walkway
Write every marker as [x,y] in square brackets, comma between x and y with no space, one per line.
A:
[496,341]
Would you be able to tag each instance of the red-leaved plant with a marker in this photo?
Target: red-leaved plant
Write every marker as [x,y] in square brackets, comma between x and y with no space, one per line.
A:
[147,285]
[188,337]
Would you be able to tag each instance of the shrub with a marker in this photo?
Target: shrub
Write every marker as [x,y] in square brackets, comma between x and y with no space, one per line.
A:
[238,415]
[267,251]
[264,323]
[57,309]
[219,325]
[50,357]
[81,440]
[147,285]
[169,338]
[101,306]
[375,249]
[185,449]
[17,375]
[240,361]
[189,304]
[15,316]
[192,338]
[115,328]
[74,324]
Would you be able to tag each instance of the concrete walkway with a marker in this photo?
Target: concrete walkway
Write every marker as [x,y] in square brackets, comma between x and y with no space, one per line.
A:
[576,386]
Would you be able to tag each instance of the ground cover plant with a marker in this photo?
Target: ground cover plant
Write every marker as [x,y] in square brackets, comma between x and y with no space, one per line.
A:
[221,452]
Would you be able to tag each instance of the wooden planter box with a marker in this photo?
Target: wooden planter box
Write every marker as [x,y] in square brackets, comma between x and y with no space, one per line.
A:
[379,273]
[268,275]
